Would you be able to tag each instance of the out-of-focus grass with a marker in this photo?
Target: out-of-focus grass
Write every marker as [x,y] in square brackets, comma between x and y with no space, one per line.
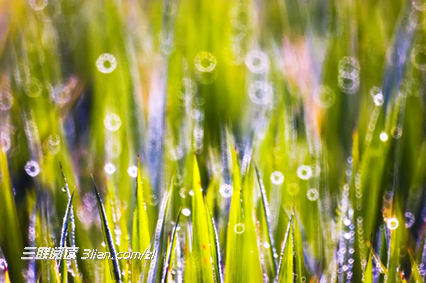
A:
[278,140]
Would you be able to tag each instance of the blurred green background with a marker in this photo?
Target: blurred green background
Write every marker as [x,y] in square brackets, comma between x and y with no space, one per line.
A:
[244,141]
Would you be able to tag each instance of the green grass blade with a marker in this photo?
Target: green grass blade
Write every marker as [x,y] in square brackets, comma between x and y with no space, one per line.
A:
[64,229]
[201,238]
[10,234]
[286,265]
[368,273]
[108,235]
[215,247]
[170,251]
[157,240]
[141,236]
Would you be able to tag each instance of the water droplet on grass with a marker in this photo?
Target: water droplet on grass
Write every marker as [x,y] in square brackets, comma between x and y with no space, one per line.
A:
[396,132]
[349,84]
[226,190]
[32,168]
[324,96]
[133,171]
[293,189]
[304,172]
[409,219]
[205,62]
[239,228]
[109,168]
[153,200]
[112,122]
[392,223]
[377,95]
[383,136]
[312,194]
[349,67]
[186,212]
[257,61]
[261,92]
[33,88]
[106,63]
[277,178]
[418,57]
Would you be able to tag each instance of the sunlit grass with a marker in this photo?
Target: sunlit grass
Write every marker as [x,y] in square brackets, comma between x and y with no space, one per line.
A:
[242,141]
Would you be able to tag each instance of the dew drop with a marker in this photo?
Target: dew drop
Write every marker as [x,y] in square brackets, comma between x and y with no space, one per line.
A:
[396,132]
[383,136]
[312,194]
[277,178]
[293,189]
[324,96]
[33,88]
[32,168]
[226,190]
[205,62]
[239,228]
[261,92]
[257,61]
[186,212]
[409,219]
[392,223]
[347,222]
[418,57]
[153,200]
[349,67]
[182,192]
[106,63]
[377,95]
[349,84]
[112,122]
[109,168]
[133,171]
[304,172]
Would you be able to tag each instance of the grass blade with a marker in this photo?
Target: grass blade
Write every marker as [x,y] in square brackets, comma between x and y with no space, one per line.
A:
[141,235]
[286,265]
[170,251]
[64,230]
[108,235]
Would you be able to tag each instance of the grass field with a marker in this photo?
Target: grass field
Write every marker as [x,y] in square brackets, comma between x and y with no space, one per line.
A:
[238,141]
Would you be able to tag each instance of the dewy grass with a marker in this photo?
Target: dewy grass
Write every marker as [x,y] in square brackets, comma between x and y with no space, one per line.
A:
[231,141]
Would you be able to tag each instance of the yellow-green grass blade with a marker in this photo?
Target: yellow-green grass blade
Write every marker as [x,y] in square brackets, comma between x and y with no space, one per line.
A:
[108,235]
[170,253]
[10,232]
[201,238]
[242,251]
[64,230]
[141,236]
[286,268]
